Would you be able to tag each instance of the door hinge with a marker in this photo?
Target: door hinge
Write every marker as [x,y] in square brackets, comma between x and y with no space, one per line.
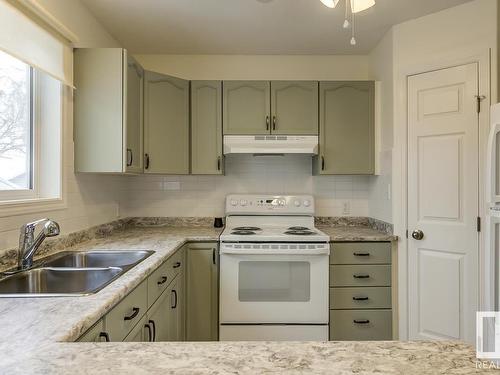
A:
[479,99]
[478,224]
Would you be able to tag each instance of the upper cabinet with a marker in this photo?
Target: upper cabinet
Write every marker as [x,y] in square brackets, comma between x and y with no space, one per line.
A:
[108,111]
[294,107]
[166,124]
[246,107]
[206,127]
[347,128]
[276,107]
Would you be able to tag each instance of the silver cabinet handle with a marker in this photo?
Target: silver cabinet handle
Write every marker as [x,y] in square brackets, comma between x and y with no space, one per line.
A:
[417,234]
[130,157]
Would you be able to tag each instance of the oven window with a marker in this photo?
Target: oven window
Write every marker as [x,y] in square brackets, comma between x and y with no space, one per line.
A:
[261,281]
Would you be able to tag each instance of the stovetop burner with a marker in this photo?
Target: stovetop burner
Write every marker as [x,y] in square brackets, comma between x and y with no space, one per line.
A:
[299,228]
[243,232]
[253,229]
[300,232]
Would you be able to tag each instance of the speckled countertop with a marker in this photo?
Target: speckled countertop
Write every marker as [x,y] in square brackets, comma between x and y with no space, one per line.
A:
[34,333]
[355,233]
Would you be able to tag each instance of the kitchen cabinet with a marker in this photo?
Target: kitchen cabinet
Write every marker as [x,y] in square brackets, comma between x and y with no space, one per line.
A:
[246,107]
[294,107]
[166,124]
[346,128]
[127,313]
[276,107]
[176,313]
[142,332]
[108,111]
[206,127]
[360,291]
[95,334]
[202,292]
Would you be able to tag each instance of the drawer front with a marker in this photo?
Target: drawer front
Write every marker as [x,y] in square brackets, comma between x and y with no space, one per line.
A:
[164,275]
[360,325]
[125,315]
[360,298]
[360,253]
[360,275]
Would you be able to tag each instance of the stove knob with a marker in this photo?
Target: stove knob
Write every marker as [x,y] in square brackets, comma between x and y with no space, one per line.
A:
[307,203]
[296,203]
[243,202]
[234,202]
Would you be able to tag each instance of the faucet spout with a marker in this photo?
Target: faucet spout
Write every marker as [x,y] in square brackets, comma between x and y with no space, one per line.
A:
[28,245]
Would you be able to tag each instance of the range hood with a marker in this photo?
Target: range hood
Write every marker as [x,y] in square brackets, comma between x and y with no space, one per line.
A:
[271,144]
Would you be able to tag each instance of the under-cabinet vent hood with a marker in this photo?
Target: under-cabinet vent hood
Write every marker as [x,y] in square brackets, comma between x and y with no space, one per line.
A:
[271,144]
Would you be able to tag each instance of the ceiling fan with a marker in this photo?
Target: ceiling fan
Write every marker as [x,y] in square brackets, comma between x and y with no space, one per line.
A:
[356,6]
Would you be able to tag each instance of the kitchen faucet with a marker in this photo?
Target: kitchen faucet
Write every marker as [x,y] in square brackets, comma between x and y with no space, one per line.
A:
[28,244]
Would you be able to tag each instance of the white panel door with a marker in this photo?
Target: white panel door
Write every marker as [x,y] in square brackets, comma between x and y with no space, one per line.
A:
[443,203]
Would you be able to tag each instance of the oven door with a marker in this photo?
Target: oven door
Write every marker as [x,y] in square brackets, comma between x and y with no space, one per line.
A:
[272,288]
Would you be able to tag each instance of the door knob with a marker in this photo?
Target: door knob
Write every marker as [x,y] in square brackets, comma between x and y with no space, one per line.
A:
[417,234]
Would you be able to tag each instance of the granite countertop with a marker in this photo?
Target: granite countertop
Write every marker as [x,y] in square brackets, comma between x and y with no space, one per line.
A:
[359,233]
[34,332]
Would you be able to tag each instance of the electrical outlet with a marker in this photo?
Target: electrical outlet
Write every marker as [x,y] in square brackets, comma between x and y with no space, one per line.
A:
[171,185]
[346,208]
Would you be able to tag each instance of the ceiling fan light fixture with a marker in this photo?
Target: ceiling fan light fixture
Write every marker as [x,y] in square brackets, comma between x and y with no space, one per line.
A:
[330,3]
[361,5]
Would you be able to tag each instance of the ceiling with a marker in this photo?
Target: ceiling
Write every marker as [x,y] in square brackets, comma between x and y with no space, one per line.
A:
[251,26]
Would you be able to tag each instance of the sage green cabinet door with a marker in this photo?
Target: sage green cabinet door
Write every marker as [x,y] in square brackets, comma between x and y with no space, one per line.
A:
[176,319]
[159,316]
[347,127]
[294,107]
[140,333]
[134,114]
[166,124]
[94,334]
[246,107]
[202,292]
[206,127]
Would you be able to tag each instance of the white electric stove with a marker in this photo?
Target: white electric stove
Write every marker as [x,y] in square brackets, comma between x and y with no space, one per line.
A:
[273,270]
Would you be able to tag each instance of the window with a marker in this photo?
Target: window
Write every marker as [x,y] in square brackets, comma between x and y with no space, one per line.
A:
[30,135]
[16,126]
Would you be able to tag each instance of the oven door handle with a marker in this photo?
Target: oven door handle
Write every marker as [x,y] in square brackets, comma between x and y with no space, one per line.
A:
[274,252]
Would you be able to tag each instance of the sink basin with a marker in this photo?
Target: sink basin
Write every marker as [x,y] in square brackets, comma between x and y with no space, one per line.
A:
[60,282]
[124,259]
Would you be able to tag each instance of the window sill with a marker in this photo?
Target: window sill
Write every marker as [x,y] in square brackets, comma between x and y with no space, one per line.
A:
[27,206]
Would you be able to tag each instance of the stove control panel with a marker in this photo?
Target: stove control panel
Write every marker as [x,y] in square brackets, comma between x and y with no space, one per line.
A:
[270,204]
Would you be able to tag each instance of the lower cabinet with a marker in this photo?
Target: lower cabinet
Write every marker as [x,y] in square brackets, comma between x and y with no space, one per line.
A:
[95,334]
[360,291]
[153,311]
[202,292]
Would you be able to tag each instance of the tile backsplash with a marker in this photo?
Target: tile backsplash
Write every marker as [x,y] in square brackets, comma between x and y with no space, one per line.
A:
[204,195]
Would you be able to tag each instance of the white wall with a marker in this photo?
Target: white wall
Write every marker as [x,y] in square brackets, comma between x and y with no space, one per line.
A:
[382,70]
[262,67]
[204,195]
[90,199]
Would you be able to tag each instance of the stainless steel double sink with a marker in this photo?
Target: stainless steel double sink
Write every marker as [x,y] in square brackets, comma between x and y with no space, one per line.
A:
[68,274]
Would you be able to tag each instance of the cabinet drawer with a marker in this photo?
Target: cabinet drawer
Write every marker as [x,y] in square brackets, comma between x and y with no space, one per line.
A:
[360,275]
[93,334]
[360,325]
[127,313]
[164,275]
[361,253]
[360,298]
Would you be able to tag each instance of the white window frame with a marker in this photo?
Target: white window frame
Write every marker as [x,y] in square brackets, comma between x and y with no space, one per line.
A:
[16,202]
[32,192]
